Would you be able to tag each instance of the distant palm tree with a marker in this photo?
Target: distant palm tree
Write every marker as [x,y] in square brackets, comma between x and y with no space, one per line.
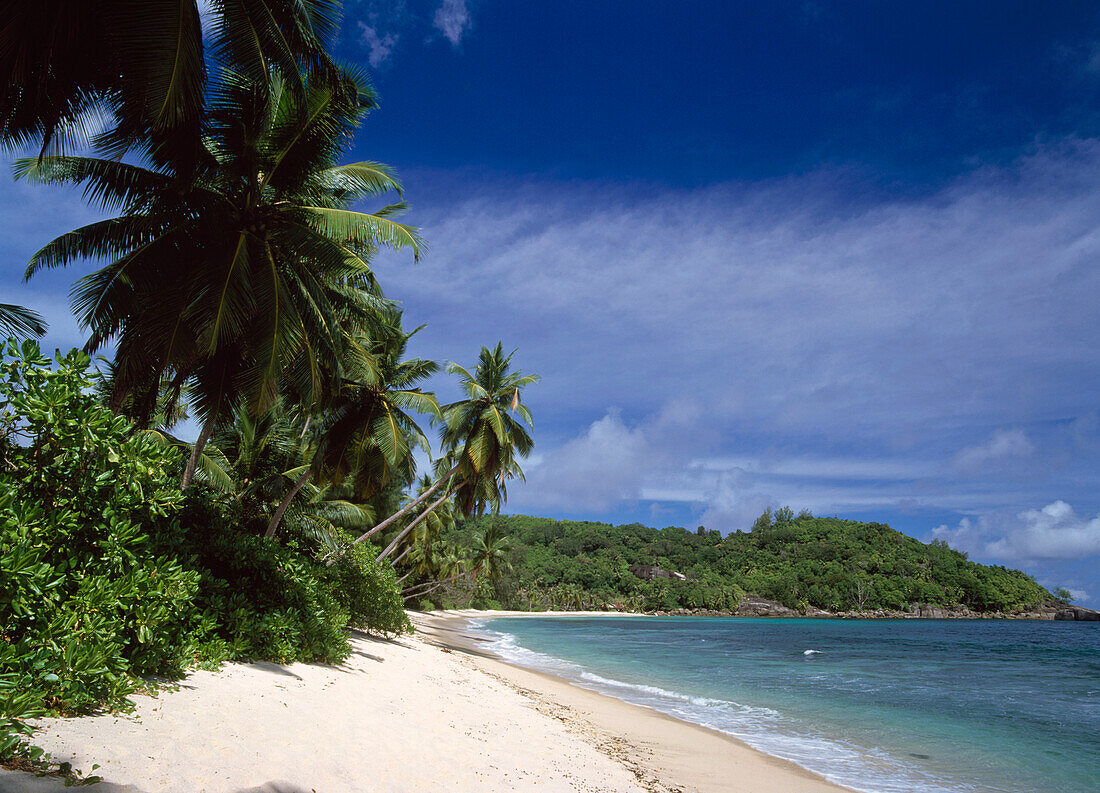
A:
[241,278]
[19,321]
[143,63]
[488,556]
[491,549]
[482,430]
[424,532]
[451,564]
[481,438]
[367,433]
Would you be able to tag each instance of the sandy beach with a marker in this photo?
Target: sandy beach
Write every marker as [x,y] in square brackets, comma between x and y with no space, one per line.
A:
[425,712]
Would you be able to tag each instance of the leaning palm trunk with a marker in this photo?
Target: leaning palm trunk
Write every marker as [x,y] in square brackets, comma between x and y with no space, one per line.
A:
[277,518]
[443,581]
[405,533]
[400,513]
[405,510]
[399,557]
[419,588]
[434,585]
[196,450]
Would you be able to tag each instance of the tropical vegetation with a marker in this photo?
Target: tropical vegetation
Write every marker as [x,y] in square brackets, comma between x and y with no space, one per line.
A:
[233,294]
[800,561]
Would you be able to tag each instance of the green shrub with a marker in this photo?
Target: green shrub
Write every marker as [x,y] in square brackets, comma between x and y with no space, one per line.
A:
[369,591]
[84,601]
[261,600]
[109,573]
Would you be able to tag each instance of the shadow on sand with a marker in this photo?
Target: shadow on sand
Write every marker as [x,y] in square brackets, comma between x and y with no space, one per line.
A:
[23,782]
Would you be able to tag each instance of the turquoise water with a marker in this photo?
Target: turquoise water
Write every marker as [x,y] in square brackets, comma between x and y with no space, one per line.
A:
[888,706]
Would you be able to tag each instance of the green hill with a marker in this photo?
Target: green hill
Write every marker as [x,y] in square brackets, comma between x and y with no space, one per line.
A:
[800,561]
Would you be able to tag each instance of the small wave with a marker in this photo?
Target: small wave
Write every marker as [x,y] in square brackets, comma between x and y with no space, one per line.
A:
[764,729]
[663,693]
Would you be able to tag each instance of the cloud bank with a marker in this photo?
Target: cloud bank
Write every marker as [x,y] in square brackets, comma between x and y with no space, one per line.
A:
[1053,532]
[844,352]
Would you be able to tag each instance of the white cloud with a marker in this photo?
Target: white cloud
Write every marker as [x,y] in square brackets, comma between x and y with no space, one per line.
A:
[379,45]
[603,466]
[1002,445]
[836,351]
[1053,532]
[734,502]
[453,20]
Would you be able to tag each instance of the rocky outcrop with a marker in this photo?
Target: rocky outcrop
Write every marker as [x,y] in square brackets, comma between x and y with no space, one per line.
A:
[1078,614]
[648,572]
[930,612]
[753,606]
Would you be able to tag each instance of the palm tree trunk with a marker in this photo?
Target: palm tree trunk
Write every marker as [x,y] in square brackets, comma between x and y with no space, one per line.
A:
[196,450]
[275,520]
[407,508]
[402,578]
[411,591]
[405,533]
[400,556]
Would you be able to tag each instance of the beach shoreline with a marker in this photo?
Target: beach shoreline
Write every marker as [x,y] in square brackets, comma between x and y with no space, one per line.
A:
[666,752]
[431,711]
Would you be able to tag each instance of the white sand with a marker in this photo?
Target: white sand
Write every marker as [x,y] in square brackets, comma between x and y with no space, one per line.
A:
[402,716]
[397,716]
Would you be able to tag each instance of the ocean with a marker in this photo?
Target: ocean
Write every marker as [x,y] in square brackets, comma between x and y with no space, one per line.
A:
[884,706]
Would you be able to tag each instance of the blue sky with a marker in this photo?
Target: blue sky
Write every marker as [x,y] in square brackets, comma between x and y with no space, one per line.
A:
[842,256]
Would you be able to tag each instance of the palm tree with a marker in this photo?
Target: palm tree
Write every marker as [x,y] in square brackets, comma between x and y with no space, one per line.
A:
[423,548]
[240,278]
[430,513]
[491,549]
[482,431]
[367,433]
[261,454]
[451,563]
[19,321]
[481,438]
[488,556]
[144,64]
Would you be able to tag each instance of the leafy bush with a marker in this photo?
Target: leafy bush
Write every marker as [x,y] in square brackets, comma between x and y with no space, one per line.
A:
[369,590]
[85,603]
[108,573]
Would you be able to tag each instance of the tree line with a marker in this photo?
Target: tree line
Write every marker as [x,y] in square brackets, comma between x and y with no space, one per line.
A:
[801,561]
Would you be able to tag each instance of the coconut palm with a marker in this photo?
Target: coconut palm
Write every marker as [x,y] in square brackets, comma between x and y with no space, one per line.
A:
[482,431]
[491,550]
[143,64]
[240,278]
[19,321]
[367,433]
[481,438]
[425,543]
[451,563]
[432,520]
[488,556]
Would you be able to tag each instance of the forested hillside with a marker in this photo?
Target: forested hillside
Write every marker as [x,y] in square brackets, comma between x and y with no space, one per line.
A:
[801,561]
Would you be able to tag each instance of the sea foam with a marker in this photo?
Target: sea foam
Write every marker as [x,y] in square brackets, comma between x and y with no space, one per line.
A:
[765,729]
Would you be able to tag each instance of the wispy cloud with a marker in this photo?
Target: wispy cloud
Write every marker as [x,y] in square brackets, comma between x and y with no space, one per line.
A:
[380,46]
[819,336]
[1002,445]
[452,18]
